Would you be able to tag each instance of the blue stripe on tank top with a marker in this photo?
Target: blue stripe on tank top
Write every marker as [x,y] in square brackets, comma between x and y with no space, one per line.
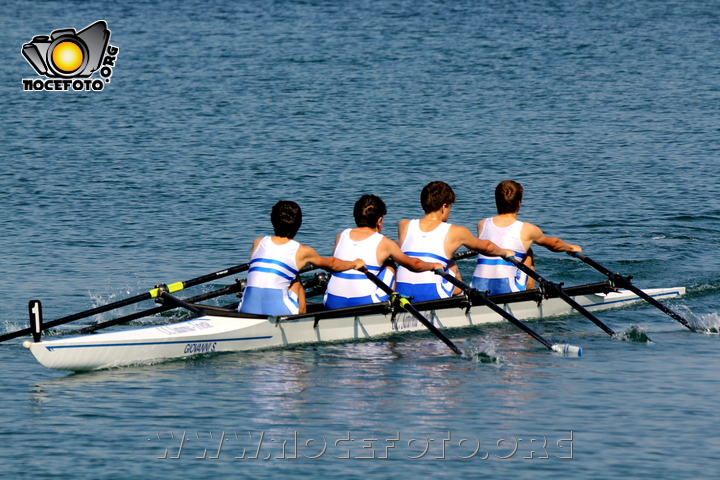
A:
[498,260]
[425,254]
[274,262]
[271,270]
[293,299]
[350,275]
[450,287]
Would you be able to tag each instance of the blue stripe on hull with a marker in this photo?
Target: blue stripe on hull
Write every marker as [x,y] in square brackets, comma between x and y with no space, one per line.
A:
[50,349]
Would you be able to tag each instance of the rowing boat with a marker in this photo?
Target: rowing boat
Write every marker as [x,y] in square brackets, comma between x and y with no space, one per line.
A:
[224,330]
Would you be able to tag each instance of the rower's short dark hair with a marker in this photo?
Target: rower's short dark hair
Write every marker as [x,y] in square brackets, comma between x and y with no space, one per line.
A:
[508,195]
[436,194]
[286,218]
[368,210]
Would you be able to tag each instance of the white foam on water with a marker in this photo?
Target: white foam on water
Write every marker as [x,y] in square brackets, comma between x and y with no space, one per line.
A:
[709,323]
[481,350]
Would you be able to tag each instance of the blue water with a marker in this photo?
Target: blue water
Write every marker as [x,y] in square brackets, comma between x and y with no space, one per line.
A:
[606,111]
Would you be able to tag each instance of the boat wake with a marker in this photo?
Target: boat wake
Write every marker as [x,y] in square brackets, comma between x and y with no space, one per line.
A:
[635,334]
[10,327]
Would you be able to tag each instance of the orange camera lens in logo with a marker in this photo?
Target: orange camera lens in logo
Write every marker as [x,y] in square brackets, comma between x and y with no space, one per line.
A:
[68,59]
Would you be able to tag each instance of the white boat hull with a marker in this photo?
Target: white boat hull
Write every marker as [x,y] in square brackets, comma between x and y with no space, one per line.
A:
[230,334]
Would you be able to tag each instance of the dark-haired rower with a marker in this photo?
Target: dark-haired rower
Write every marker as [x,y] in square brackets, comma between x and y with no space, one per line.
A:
[273,286]
[347,289]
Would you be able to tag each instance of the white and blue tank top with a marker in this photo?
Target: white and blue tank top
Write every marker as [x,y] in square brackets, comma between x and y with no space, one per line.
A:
[272,269]
[494,273]
[350,288]
[429,247]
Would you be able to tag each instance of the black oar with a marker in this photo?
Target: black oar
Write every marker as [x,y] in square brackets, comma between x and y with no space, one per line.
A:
[624,282]
[475,294]
[317,284]
[174,287]
[405,304]
[554,289]
[163,308]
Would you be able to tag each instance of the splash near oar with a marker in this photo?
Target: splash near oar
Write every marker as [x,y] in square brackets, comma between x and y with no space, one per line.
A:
[554,289]
[475,295]
[624,282]
[482,351]
[635,334]
[405,304]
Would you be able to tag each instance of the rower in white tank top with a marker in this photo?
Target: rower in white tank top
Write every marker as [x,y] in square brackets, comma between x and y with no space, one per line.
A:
[350,288]
[494,273]
[429,247]
[272,269]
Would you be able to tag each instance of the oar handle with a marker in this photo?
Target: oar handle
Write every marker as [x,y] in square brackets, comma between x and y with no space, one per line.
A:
[405,304]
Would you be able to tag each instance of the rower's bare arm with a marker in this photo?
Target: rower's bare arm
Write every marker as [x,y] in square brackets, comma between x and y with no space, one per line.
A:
[256,242]
[492,250]
[486,247]
[402,231]
[551,243]
[411,263]
[307,255]
[481,224]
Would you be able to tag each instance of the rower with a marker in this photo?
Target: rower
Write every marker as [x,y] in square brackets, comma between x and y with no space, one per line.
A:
[348,289]
[499,276]
[431,238]
[273,285]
